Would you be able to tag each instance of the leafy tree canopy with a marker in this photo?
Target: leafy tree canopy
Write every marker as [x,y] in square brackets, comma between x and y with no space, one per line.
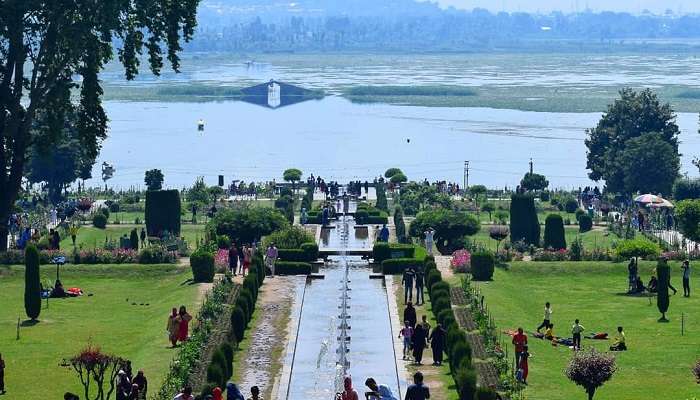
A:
[398,178]
[246,224]
[631,116]
[450,226]
[534,182]
[292,175]
[650,165]
[50,48]
[154,179]
[688,219]
[391,172]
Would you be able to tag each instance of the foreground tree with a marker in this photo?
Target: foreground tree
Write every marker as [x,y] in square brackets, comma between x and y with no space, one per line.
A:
[95,369]
[46,44]
[534,182]
[631,116]
[662,298]
[154,179]
[32,283]
[590,369]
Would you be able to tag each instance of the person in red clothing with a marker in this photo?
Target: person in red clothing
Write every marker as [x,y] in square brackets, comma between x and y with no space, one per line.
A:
[349,392]
[183,329]
[216,393]
[520,342]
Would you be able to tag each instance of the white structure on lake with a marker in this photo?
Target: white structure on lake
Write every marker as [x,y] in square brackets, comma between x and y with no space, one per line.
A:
[274,95]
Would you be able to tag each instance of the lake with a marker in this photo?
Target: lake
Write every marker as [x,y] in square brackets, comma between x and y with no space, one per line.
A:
[341,140]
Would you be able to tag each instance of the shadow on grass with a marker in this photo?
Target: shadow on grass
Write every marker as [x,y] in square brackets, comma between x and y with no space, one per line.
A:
[643,295]
[188,282]
[29,322]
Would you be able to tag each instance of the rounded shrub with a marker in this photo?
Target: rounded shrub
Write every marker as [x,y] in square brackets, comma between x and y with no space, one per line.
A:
[460,352]
[114,207]
[227,349]
[238,323]
[440,304]
[434,276]
[439,286]
[554,236]
[245,306]
[99,220]
[220,359]
[442,315]
[439,293]
[454,336]
[484,393]
[585,223]
[570,205]
[483,263]
[465,379]
[449,321]
[579,213]
[104,211]
[244,293]
[202,264]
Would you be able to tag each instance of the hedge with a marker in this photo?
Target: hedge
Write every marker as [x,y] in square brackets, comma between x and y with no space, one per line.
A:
[482,263]
[399,265]
[202,264]
[238,323]
[99,220]
[292,268]
[307,253]
[163,212]
[554,236]
[585,223]
[433,277]
[384,251]
[524,224]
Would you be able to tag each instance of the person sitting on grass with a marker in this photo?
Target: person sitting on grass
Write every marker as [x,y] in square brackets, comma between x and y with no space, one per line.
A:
[58,292]
[653,285]
[549,332]
[620,343]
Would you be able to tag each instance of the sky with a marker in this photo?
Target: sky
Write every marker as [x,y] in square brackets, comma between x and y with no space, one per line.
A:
[633,6]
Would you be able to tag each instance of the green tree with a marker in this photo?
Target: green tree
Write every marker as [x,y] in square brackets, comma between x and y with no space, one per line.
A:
[246,224]
[534,182]
[687,216]
[489,208]
[631,116]
[554,236]
[32,283]
[398,178]
[292,175]
[650,164]
[450,227]
[636,248]
[51,49]
[590,369]
[478,191]
[391,172]
[524,224]
[685,189]
[662,298]
[199,193]
[154,179]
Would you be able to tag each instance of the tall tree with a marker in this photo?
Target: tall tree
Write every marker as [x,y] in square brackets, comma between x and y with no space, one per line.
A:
[532,181]
[154,179]
[650,165]
[45,44]
[32,283]
[631,116]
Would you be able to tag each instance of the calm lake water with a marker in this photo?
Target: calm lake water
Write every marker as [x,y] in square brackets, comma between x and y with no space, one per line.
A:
[341,140]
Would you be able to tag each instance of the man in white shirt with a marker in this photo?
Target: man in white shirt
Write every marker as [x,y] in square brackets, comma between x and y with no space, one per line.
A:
[547,317]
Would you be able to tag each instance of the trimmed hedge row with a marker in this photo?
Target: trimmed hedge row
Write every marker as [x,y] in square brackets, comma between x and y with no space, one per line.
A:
[292,268]
[163,212]
[483,263]
[383,251]
[307,253]
[202,264]
[458,350]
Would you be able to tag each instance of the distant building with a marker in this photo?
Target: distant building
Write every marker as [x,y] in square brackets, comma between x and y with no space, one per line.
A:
[276,94]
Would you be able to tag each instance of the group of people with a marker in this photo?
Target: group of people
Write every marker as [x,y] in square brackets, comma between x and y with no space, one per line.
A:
[636,286]
[232,393]
[416,337]
[413,278]
[178,325]
[130,387]
[381,234]
[417,391]
[240,258]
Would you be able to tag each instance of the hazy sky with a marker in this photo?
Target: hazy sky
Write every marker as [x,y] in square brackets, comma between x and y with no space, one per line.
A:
[634,6]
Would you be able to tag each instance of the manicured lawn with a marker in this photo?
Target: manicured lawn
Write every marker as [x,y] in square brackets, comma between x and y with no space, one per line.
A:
[107,319]
[597,238]
[91,237]
[658,363]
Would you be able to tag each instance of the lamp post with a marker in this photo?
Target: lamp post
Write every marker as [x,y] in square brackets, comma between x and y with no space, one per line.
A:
[58,260]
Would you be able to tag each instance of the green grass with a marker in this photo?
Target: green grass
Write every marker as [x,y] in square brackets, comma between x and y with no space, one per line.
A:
[659,360]
[106,319]
[595,239]
[91,237]
[431,91]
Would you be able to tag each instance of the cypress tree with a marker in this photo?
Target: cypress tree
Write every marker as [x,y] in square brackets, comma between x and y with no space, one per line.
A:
[32,283]
[554,236]
[524,224]
[662,300]
[134,239]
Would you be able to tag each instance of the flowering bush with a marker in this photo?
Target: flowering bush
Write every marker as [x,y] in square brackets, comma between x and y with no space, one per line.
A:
[590,369]
[460,261]
[221,259]
[102,256]
[550,255]
[597,255]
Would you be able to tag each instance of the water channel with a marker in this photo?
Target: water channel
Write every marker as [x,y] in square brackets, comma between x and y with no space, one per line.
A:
[344,327]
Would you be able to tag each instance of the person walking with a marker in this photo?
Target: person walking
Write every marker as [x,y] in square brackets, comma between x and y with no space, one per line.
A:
[183,327]
[420,284]
[632,271]
[417,391]
[123,386]
[686,278]
[407,333]
[271,258]
[547,317]
[407,281]
[419,342]
[426,325]
[429,240]
[247,257]
[409,314]
[2,375]
[519,341]
[233,393]
[232,258]
[74,233]
[173,327]
[142,383]
[304,216]
[437,343]
[143,237]
[576,331]
[524,367]
[384,234]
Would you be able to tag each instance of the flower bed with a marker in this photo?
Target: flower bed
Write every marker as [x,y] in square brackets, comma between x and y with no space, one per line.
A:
[460,261]
[149,255]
